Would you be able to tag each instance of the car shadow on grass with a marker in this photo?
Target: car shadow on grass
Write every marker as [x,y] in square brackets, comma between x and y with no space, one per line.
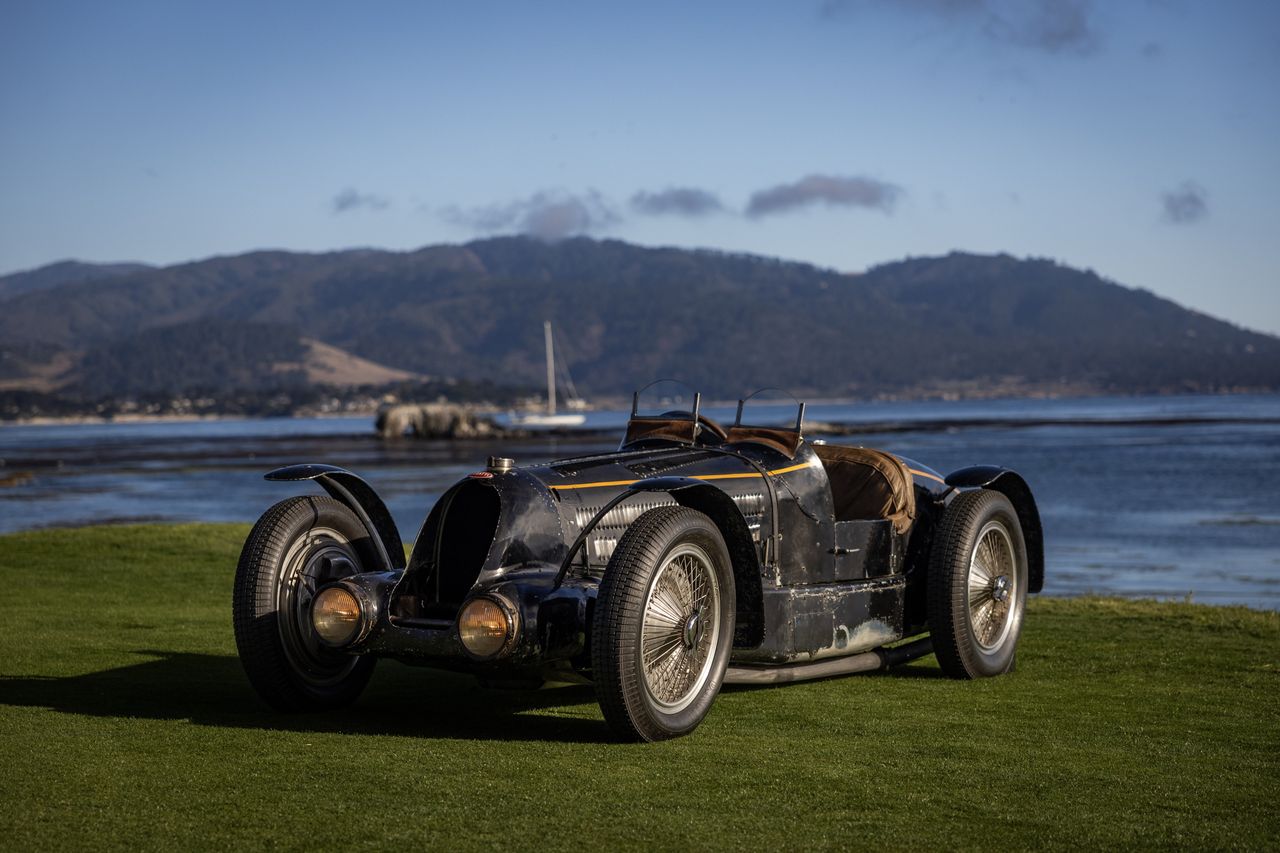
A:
[400,700]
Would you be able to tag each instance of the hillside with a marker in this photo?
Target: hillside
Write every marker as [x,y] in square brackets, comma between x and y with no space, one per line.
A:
[961,323]
[63,272]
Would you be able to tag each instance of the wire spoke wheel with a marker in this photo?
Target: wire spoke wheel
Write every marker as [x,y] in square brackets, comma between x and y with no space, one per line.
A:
[318,557]
[977,585]
[992,586]
[680,627]
[663,625]
[298,546]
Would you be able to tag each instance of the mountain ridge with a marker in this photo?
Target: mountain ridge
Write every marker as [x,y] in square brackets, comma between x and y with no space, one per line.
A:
[63,272]
[959,323]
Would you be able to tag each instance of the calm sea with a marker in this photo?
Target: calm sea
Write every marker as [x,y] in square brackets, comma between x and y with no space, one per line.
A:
[1162,496]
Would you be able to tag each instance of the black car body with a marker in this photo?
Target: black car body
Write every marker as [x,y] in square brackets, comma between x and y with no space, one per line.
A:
[831,555]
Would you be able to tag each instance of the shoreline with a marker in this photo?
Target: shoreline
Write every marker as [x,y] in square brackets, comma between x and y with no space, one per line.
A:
[1114,498]
[815,426]
[96,420]
[815,429]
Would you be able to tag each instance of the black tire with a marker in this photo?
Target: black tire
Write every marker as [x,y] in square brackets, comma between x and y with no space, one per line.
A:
[977,586]
[670,567]
[299,544]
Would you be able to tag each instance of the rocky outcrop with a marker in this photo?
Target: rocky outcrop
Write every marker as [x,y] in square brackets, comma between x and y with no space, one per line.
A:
[436,420]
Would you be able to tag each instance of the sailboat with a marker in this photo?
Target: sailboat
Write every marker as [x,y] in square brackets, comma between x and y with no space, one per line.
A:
[550,418]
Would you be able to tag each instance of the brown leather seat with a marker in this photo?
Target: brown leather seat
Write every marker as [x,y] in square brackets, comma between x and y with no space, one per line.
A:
[785,441]
[869,484]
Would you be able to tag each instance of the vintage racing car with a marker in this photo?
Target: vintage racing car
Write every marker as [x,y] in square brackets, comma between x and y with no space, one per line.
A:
[693,556]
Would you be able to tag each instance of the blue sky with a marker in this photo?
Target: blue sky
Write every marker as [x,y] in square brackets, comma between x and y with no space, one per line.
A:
[1139,138]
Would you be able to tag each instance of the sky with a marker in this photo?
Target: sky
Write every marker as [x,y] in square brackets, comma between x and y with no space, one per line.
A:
[1137,138]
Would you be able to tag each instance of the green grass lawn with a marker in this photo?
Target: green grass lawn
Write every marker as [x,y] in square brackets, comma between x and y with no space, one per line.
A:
[125,721]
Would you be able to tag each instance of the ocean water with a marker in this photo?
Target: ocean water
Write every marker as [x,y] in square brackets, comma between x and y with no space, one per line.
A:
[1153,497]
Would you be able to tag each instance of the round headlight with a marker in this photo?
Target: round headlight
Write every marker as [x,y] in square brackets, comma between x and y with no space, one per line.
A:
[335,613]
[484,627]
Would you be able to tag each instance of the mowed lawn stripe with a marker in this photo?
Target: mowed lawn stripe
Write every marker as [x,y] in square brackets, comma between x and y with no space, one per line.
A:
[126,722]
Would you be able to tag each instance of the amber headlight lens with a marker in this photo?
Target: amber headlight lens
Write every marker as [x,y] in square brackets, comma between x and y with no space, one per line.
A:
[484,627]
[336,616]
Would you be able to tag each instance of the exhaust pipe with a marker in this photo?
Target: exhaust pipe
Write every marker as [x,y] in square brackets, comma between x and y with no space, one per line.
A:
[876,659]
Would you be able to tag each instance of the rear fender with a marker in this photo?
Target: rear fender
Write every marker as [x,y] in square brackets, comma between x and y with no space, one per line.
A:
[1012,486]
[360,497]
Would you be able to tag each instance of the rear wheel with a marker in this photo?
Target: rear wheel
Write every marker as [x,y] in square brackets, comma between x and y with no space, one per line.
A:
[977,586]
[663,625]
[298,545]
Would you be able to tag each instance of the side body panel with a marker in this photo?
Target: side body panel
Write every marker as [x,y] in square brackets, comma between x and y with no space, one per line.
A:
[808,587]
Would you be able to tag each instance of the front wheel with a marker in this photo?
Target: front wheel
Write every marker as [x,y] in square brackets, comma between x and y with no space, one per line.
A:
[663,625]
[977,586]
[298,545]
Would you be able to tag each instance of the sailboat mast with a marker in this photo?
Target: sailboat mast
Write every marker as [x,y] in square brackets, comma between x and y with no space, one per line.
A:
[551,369]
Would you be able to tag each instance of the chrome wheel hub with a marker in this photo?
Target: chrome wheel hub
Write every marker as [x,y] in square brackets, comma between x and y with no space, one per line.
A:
[680,628]
[693,630]
[1001,589]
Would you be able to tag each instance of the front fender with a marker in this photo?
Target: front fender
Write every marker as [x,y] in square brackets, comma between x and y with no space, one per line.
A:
[749,630]
[724,513]
[1011,484]
[360,497]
